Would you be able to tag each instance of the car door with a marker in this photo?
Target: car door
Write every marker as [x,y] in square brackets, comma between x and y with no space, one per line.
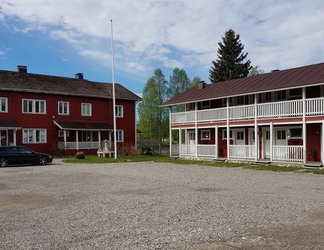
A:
[27,156]
[12,155]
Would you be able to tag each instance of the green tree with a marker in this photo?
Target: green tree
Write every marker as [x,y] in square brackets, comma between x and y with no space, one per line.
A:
[195,81]
[255,70]
[179,82]
[230,60]
[153,120]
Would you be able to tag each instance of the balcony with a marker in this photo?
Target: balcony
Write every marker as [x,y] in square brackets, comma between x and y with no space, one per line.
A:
[314,106]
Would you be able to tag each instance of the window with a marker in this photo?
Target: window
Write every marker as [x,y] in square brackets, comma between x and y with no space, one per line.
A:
[267,97]
[119,135]
[281,95]
[240,100]
[191,106]
[34,136]
[281,135]
[225,134]
[119,111]
[230,101]
[205,104]
[3,104]
[296,133]
[205,135]
[86,136]
[239,135]
[61,133]
[63,108]
[295,93]
[86,109]
[34,106]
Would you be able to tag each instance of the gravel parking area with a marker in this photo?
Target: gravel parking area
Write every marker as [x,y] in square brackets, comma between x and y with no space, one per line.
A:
[158,206]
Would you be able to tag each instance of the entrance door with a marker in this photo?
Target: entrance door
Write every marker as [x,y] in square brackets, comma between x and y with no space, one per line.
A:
[239,140]
[192,142]
[3,138]
[266,143]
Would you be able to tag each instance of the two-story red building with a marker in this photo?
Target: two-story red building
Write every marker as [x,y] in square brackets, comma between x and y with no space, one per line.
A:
[273,117]
[46,113]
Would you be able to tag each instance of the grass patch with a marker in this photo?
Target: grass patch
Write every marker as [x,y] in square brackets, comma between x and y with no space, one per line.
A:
[167,159]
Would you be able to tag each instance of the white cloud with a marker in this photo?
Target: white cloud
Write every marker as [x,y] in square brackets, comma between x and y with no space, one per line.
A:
[177,33]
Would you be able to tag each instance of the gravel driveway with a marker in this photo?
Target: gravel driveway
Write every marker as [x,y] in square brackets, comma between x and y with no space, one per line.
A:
[158,206]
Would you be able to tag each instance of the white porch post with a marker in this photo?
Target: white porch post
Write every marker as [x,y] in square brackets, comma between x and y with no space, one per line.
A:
[196,129]
[256,133]
[322,143]
[216,141]
[77,139]
[99,139]
[64,136]
[170,133]
[15,137]
[180,139]
[227,129]
[271,141]
[304,125]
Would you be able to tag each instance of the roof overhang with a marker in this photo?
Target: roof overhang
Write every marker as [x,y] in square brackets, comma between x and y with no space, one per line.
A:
[83,125]
[9,124]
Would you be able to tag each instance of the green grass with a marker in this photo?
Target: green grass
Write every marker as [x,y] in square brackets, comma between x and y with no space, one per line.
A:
[167,159]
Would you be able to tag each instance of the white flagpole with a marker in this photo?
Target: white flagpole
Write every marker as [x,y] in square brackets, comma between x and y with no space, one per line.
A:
[113,84]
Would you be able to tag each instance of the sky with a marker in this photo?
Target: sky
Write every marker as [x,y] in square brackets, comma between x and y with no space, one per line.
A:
[65,37]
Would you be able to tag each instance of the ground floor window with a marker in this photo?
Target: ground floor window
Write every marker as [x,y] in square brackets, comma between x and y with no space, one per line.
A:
[34,136]
[86,136]
[119,135]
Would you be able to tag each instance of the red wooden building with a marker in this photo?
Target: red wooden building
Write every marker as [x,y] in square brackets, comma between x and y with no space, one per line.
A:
[273,117]
[46,113]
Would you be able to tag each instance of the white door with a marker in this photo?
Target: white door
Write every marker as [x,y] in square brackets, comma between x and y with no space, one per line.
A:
[192,142]
[239,140]
[266,143]
[280,140]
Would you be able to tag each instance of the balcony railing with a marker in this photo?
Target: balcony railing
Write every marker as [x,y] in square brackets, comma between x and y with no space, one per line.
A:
[82,145]
[288,153]
[314,106]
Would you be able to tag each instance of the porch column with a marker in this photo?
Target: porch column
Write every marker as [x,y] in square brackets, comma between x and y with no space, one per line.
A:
[99,139]
[304,126]
[109,139]
[15,137]
[216,141]
[77,139]
[64,136]
[227,129]
[196,129]
[180,139]
[256,132]
[322,144]
[170,132]
[271,141]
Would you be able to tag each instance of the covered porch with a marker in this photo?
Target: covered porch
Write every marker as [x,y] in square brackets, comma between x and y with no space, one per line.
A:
[8,132]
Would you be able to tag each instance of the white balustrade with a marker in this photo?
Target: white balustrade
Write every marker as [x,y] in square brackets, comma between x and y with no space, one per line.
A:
[288,153]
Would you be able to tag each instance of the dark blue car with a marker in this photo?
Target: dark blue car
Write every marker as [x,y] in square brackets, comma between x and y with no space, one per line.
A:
[17,155]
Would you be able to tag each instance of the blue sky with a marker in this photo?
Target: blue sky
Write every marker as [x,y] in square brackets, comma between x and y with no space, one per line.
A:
[63,37]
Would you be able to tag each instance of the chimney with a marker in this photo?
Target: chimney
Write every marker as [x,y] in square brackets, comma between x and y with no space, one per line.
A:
[22,69]
[275,70]
[201,84]
[79,76]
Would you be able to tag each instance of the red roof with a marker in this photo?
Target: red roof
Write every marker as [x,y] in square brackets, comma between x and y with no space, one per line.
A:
[277,80]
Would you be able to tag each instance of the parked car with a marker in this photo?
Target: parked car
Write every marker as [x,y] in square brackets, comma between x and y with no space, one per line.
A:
[15,155]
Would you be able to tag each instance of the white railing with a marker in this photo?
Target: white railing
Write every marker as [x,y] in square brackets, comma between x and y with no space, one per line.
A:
[242,112]
[82,145]
[314,106]
[242,151]
[188,150]
[175,150]
[287,153]
[207,151]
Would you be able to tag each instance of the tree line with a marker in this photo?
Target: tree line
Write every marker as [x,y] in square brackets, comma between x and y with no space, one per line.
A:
[231,63]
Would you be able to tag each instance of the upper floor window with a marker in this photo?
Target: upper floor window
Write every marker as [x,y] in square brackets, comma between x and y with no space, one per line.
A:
[191,106]
[34,106]
[63,108]
[34,136]
[119,111]
[281,95]
[3,104]
[86,109]
[295,93]
[119,135]
[267,97]
[240,100]
[205,104]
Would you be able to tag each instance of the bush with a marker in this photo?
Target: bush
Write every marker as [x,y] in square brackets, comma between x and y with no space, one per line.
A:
[128,150]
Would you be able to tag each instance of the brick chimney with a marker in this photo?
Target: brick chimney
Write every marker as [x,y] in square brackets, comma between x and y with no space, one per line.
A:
[79,76]
[201,85]
[22,69]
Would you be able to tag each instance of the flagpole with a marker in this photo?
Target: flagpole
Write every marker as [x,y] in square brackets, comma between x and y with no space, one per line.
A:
[113,84]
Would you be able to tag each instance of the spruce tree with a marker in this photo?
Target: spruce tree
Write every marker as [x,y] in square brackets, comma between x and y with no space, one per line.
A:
[230,60]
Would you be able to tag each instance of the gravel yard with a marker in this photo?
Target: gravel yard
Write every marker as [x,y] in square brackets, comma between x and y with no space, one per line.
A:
[158,206]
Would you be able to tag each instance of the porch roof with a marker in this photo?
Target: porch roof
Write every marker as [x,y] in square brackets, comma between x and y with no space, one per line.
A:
[9,124]
[306,76]
[83,125]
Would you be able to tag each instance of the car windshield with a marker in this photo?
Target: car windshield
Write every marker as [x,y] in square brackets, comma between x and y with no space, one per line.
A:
[25,151]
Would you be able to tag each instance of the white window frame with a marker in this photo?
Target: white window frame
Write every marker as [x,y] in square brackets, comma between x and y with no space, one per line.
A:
[61,105]
[206,106]
[61,133]
[205,135]
[86,109]
[34,105]
[5,101]
[119,135]
[191,106]
[281,98]
[119,111]
[224,136]
[33,136]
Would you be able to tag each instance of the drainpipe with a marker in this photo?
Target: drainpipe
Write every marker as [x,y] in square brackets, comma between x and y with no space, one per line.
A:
[304,125]
[227,128]
[196,128]
[170,132]
[256,132]
[271,141]
[216,142]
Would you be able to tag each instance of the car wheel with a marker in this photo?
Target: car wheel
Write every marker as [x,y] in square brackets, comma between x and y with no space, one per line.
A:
[42,161]
[3,162]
